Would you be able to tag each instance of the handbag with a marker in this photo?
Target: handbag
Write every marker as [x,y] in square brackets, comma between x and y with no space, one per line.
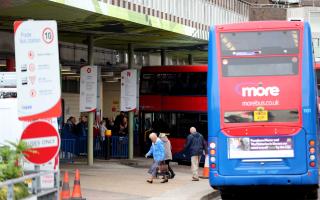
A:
[163,167]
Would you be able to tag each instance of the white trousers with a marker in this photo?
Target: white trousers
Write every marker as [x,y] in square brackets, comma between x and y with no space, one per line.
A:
[195,166]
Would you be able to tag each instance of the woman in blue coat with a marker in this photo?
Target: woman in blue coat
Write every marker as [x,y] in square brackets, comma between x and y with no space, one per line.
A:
[158,152]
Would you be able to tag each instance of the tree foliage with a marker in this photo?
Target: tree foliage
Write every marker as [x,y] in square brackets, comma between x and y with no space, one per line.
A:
[11,156]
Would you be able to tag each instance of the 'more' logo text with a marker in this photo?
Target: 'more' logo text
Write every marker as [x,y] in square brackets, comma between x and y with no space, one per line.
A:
[260,91]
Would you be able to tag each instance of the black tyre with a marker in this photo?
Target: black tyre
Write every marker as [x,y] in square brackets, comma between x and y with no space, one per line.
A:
[312,194]
[225,195]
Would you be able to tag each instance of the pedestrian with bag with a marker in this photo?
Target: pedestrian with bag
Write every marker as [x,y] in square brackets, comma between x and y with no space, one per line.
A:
[158,152]
[168,154]
[197,146]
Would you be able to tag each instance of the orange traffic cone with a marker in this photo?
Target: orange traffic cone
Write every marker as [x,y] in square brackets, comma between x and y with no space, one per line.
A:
[65,193]
[76,193]
[205,172]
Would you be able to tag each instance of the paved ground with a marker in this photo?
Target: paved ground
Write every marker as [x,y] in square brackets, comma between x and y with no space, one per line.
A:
[117,180]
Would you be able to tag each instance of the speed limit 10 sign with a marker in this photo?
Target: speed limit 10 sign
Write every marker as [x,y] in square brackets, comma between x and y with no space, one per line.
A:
[47,35]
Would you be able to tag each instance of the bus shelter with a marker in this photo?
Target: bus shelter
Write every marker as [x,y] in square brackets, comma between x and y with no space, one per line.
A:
[98,24]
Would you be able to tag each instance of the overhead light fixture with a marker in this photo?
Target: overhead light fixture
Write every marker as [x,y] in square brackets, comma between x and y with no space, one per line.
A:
[111,81]
[66,69]
[116,78]
[3,63]
[73,76]
[107,74]
[72,72]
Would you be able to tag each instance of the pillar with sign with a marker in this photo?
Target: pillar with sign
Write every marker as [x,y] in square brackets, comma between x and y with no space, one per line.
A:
[88,101]
[129,96]
[38,89]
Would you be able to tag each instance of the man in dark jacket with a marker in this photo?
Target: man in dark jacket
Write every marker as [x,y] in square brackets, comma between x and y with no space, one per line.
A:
[197,146]
[82,127]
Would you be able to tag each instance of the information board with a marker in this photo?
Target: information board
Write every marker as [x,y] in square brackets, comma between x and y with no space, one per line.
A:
[88,88]
[38,71]
[128,90]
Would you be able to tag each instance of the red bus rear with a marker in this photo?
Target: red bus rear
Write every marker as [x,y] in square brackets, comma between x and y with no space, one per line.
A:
[172,98]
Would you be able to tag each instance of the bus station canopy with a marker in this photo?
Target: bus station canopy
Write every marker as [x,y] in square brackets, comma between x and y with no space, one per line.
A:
[113,27]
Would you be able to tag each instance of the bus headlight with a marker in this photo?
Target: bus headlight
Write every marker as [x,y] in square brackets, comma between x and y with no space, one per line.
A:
[312,150]
[212,159]
[212,152]
[312,157]
[312,164]
[312,143]
[212,145]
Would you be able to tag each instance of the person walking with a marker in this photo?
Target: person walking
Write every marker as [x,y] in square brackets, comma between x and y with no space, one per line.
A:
[158,152]
[103,129]
[197,146]
[168,154]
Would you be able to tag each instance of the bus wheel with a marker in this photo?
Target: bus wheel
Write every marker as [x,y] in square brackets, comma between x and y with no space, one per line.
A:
[312,194]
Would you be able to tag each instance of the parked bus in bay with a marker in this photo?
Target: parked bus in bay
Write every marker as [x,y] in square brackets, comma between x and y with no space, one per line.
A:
[262,107]
[172,99]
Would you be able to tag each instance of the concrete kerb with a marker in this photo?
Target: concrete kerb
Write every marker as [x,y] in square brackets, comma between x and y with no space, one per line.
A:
[210,196]
[135,162]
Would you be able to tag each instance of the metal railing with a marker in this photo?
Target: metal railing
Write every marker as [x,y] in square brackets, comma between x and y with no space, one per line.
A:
[199,14]
[71,148]
[36,190]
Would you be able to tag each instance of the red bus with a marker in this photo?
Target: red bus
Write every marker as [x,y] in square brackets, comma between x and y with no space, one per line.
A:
[172,99]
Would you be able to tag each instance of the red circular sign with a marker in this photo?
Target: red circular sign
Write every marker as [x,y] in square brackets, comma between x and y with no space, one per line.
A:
[89,70]
[44,140]
[47,35]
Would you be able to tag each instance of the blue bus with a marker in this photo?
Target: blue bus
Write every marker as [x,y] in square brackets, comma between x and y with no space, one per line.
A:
[262,107]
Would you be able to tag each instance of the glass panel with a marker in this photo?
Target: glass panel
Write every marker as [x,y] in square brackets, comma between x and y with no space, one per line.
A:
[273,116]
[177,124]
[147,83]
[8,93]
[314,21]
[257,43]
[275,66]
[174,83]
[316,47]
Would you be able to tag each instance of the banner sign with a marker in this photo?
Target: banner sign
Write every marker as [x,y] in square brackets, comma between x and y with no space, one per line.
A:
[260,147]
[38,71]
[128,90]
[88,88]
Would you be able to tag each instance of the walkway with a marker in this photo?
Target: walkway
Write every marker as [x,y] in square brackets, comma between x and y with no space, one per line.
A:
[113,180]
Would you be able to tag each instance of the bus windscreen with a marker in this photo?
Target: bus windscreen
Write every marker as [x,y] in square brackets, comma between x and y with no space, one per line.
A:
[275,66]
[259,43]
[174,84]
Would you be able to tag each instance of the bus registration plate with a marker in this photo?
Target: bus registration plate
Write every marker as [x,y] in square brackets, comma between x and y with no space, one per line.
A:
[260,115]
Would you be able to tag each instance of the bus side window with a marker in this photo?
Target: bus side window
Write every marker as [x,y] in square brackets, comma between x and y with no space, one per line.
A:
[147,124]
